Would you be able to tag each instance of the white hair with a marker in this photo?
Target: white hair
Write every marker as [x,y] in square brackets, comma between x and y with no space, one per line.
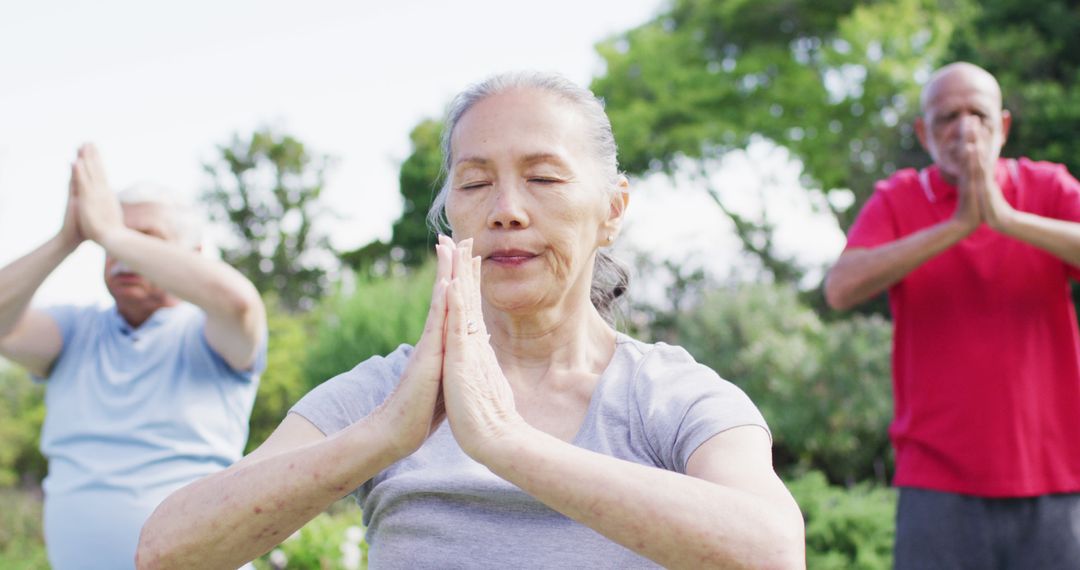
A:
[181,215]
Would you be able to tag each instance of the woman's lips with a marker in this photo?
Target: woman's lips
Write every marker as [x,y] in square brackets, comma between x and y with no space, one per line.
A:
[511,257]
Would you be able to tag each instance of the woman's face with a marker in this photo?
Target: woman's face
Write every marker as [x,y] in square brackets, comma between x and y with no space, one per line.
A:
[526,187]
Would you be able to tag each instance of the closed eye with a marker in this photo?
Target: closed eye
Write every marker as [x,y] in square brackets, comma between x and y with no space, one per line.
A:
[474,185]
[542,180]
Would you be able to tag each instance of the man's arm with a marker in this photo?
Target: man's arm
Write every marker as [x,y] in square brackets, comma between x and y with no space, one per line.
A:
[30,337]
[861,273]
[1060,238]
[236,317]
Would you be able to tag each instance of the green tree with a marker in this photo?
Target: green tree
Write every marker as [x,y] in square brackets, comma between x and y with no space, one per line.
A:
[1035,54]
[22,411]
[835,82]
[412,241]
[266,187]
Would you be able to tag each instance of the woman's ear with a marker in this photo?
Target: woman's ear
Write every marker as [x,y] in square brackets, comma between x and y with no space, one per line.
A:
[617,209]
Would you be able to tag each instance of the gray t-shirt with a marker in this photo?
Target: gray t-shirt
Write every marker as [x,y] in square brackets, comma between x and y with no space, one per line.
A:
[653,405]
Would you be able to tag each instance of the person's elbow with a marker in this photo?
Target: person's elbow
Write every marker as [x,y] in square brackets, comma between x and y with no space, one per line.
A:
[244,304]
[790,550]
[154,552]
[836,295]
[841,289]
[785,547]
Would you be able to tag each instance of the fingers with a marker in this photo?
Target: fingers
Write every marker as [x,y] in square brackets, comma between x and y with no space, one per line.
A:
[92,159]
[432,337]
[82,176]
[477,302]
[73,186]
[456,318]
[444,251]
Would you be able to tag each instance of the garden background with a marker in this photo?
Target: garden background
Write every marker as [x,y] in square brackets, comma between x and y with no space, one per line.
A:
[829,86]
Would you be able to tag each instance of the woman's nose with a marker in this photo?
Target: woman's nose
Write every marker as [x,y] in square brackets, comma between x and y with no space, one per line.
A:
[507,208]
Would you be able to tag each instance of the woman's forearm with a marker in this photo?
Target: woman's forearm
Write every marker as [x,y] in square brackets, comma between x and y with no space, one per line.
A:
[675,520]
[234,516]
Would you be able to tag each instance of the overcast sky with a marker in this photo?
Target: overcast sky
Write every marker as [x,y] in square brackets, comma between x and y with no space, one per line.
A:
[158,85]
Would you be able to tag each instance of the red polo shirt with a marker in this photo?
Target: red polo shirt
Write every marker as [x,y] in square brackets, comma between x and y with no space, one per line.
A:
[986,354]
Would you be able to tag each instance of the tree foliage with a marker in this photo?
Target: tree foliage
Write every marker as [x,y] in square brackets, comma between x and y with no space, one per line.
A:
[412,241]
[266,187]
[1035,54]
[835,82]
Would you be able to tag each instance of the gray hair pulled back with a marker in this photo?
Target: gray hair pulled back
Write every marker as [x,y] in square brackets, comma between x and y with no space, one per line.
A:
[610,277]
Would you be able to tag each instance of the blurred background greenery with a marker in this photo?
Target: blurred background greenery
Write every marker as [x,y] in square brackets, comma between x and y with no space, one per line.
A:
[834,82]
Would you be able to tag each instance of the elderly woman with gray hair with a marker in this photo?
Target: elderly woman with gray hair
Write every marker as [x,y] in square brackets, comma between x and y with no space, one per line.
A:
[521,430]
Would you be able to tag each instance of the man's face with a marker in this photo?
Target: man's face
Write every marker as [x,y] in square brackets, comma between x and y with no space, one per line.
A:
[128,288]
[962,121]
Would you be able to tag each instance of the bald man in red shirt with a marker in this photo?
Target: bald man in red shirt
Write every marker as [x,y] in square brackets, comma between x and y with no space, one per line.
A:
[977,253]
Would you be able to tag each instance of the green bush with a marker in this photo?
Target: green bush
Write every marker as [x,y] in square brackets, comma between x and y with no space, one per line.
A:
[846,528]
[824,388]
[332,540]
[377,316]
[22,410]
[282,383]
[22,545]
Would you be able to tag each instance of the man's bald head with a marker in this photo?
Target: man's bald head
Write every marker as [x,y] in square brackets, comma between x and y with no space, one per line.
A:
[961,106]
[960,75]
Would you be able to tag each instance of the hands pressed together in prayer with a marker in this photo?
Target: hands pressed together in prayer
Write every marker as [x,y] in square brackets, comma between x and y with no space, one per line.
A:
[453,373]
[92,209]
[979,197]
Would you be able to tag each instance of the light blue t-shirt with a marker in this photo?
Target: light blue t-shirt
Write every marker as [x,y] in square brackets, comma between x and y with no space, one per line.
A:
[131,416]
[653,405]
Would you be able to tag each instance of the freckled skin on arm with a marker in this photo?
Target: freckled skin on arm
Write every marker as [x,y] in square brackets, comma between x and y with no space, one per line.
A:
[233,516]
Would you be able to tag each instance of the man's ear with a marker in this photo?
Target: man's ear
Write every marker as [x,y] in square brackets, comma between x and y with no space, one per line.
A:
[1006,124]
[920,131]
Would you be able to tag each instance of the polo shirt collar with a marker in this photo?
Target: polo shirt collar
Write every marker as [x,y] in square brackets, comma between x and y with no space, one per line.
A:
[157,318]
[936,189]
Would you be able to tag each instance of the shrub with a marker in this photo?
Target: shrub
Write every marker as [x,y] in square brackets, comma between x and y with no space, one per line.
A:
[380,314]
[282,383]
[334,539]
[846,528]
[22,546]
[22,410]
[823,387]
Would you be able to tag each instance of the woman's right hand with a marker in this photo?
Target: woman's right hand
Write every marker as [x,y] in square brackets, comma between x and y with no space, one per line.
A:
[414,410]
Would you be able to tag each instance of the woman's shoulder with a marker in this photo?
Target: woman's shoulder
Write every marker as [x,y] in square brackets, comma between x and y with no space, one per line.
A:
[353,394]
[658,361]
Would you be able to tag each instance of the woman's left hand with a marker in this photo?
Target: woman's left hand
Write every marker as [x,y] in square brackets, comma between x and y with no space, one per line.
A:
[479,400]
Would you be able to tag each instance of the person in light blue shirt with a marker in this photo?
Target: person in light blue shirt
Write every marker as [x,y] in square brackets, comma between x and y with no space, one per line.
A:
[142,397]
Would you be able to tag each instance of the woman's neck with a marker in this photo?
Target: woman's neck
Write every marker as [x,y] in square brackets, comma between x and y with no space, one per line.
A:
[574,338]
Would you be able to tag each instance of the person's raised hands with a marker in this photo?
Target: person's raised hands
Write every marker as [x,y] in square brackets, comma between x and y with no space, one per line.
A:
[415,409]
[479,400]
[980,151]
[99,211]
[70,232]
